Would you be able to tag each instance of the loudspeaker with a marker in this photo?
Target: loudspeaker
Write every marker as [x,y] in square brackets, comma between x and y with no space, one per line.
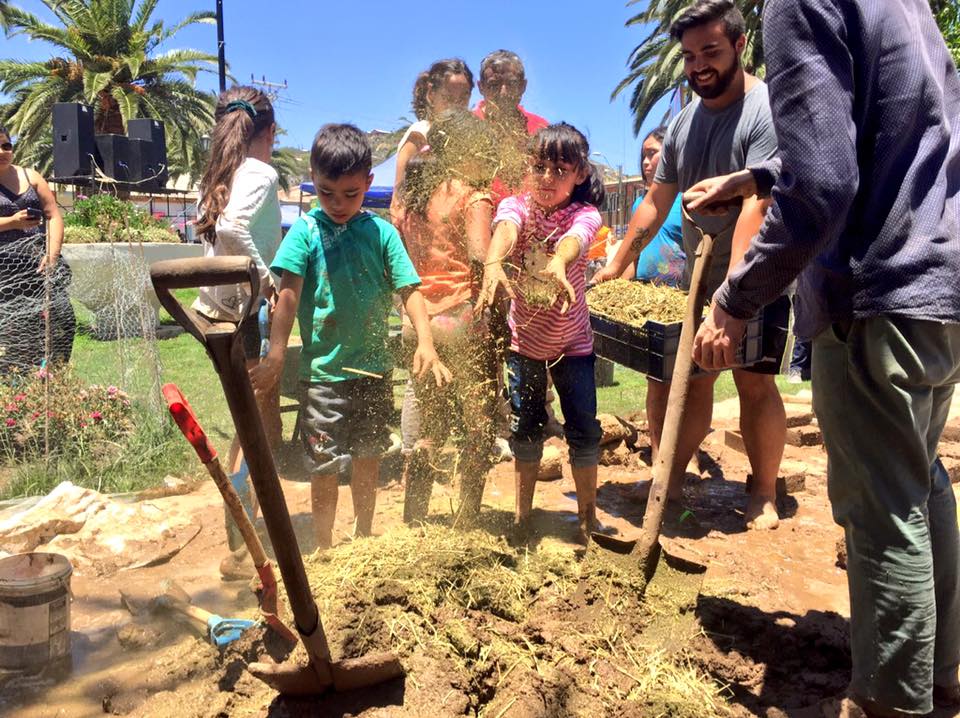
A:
[143,165]
[114,156]
[156,156]
[73,142]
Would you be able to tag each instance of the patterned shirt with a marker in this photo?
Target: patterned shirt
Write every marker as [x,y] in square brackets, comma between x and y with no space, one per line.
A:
[543,332]
[866,101]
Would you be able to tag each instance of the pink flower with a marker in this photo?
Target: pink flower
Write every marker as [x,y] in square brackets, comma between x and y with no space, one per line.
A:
[96,416]
[20,397]
[112,390]
[42,373]
[11,422]
[10,407]
[35,415]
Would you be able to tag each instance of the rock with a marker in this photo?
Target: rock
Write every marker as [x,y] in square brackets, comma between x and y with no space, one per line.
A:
[551,465]
[804,436]
[614,429]
[173,482]
[618,455]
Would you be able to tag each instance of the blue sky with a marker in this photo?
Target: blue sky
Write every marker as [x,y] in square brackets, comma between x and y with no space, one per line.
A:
[356,62]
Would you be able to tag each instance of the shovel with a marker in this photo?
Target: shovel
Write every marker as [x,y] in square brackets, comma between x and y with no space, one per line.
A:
[183,415]
[220,631]
[222,345]
[645,552]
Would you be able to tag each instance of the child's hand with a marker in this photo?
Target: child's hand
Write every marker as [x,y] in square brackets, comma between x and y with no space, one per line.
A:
[493,278]
[264,376]
[425,360]
[556,270]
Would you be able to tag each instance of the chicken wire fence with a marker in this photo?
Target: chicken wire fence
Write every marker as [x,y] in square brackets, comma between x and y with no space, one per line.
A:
[98,324]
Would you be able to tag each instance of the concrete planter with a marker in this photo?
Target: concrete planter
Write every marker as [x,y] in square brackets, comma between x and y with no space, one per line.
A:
[112,280]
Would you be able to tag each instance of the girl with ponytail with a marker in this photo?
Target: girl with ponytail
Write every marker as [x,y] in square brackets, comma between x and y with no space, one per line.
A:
[239,215]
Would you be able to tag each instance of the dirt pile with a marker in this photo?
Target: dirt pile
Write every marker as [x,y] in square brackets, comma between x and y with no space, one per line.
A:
[484,629]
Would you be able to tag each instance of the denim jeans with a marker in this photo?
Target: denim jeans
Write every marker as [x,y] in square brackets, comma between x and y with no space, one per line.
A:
[574,382]
[881,390]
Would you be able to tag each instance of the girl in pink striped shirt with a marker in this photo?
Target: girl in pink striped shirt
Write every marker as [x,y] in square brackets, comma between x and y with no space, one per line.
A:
[543,236]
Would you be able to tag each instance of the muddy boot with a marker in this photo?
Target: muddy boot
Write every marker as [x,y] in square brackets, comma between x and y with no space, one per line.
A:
[238,566]
[418,486]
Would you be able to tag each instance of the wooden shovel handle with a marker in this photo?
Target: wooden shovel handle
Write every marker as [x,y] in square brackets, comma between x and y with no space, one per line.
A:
[647,546]
[235,507]
[183,415]
[203,272]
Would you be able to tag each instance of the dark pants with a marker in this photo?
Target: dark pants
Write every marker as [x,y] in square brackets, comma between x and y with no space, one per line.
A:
[881,390]
[574,381]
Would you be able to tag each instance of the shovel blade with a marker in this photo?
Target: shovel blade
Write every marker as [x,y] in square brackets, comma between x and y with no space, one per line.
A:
[224,631]
[351,674]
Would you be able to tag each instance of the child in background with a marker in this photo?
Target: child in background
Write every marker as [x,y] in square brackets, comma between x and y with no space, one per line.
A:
[446,211]
[545,235]
[447,85]
[340,267]
[239,214]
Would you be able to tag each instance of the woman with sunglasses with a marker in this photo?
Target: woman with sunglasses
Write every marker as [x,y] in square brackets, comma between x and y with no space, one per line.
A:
[31,234]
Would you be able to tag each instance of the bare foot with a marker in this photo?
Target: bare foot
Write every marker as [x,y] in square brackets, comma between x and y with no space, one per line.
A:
[761,513]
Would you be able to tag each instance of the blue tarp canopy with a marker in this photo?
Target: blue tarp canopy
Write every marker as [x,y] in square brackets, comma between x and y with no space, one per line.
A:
[380,192]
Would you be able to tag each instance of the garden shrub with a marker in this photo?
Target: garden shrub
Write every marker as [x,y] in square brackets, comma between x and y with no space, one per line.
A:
[83,420]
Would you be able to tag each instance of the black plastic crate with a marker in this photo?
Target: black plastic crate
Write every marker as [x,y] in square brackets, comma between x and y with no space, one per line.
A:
[652,348]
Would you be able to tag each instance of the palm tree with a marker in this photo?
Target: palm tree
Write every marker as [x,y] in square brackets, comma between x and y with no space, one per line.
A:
[108,55]
[656,66]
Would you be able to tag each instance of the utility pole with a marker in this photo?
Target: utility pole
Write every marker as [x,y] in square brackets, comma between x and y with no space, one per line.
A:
[271,89]
[221,55]
[621,198]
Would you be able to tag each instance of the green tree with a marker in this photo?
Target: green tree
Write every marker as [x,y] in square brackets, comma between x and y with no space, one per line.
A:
[656,66]
[110,54]
[947,13]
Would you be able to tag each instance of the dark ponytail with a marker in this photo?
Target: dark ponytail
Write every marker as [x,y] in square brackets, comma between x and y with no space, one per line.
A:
[565,143]
[242,113]
[591,190]
[433,79]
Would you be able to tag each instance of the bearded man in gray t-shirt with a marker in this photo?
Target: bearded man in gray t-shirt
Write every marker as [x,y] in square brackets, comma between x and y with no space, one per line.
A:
[728,128]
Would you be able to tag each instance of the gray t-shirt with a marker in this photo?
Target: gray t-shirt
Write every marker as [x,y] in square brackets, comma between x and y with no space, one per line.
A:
[701,143]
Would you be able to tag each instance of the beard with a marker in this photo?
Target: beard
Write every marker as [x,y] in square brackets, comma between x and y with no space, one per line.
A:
[720,85]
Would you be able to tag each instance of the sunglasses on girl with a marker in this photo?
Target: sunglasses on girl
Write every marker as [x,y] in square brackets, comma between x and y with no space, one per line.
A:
[6,147]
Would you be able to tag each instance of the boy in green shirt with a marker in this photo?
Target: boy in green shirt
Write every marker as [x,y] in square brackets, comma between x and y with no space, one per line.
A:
[340,267]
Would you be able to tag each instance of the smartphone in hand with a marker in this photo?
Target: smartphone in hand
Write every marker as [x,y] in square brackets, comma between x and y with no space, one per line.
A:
[34,213]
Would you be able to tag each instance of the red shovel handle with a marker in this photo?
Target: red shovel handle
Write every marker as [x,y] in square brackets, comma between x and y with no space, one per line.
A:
[183,414]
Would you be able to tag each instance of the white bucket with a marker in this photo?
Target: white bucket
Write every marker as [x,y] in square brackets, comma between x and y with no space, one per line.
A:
[34,611]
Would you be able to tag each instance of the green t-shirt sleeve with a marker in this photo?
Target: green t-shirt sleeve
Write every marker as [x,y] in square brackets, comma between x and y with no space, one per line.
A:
[294,252]
[399,267]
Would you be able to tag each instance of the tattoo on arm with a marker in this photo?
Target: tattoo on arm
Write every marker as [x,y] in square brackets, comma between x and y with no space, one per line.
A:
[639,240]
